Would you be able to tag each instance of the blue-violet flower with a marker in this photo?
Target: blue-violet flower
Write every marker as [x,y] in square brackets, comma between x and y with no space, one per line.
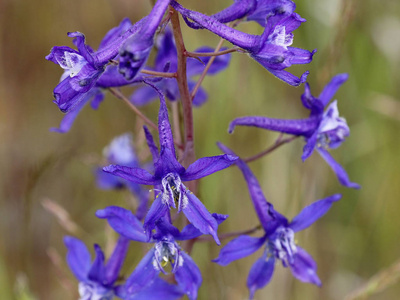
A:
[169,176]
[278,237]
[321,130]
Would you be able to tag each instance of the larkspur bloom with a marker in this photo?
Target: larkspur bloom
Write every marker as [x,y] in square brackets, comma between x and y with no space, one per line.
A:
[271,49]
[96,279]
[121,151]
[88,73]
[165,251]
[278,237]
[167,58]
[321,130]
[169,176]
[84,67]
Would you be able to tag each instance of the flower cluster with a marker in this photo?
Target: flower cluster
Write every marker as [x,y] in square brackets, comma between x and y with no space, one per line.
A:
[122,59]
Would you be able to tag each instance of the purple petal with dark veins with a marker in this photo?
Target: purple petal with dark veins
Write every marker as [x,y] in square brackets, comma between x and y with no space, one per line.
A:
[207,165]
[123,222]
[238,248]
[188,276]
[136,175]
[260,273]
[78,257]
[304,267]
[338,169]
[331,88]
[200,217]
[313,212]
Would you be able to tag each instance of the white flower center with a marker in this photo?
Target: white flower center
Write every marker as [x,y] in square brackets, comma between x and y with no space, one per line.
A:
[72,63]
[93,291]
[280,38]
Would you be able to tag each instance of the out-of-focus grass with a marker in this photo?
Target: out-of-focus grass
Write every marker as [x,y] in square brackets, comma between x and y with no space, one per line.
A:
[359,236]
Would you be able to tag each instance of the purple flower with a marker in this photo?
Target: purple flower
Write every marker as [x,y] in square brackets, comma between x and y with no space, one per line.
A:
[169,176]
[84,67]
[165,252]
[96,279]
[121,151]
[136,50]
[278,238]
[271,49]
[321,130]
[167,59]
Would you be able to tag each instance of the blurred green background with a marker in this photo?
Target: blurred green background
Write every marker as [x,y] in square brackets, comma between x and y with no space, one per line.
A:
[358,238]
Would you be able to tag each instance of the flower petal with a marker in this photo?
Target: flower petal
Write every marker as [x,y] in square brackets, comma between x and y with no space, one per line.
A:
[296,127]
[123,222]
[200,217]
[78,257]
[97,271]
[331,88]
[157,210]
[289,77]
[190,232]
[304,267]
[188,276]
[313,212]
[159,289]
[143,275]
[260,273]
[150,143]
[238,248]
[207,165]
[116,260]
[338,169]
[136,175]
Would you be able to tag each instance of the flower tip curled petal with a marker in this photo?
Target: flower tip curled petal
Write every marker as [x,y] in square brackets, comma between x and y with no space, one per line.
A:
[332,87]
[340,172]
